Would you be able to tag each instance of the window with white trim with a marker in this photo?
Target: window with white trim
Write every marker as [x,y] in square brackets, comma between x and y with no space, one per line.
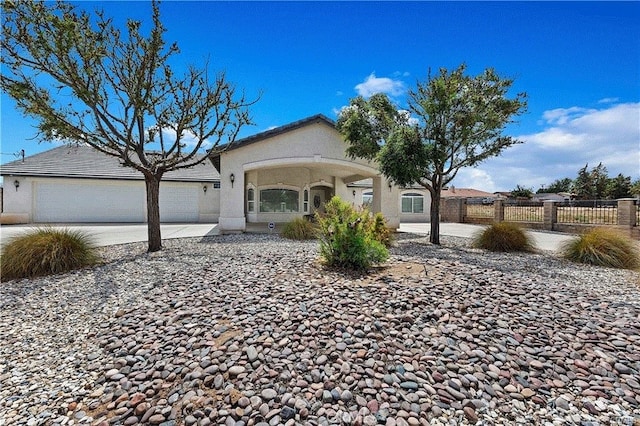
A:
[279,201]
[251,200]
[305,201]
[412,203]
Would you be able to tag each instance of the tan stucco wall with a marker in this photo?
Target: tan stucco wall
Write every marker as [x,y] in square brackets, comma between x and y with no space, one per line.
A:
[310,156]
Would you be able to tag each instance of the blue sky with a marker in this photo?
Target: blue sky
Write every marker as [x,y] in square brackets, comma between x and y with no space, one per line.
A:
[578,62]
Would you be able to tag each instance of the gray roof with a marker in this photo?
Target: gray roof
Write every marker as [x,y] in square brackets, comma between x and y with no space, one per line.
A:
[86,162]
[318,118]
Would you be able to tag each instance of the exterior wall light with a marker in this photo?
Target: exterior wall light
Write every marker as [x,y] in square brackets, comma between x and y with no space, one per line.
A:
[204,188]
[390,185]
[232,178]
[354,192]
[16,184]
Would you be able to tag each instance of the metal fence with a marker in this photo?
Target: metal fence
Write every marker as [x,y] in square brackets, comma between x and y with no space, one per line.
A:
[479,209]
[524,211]
[597,212]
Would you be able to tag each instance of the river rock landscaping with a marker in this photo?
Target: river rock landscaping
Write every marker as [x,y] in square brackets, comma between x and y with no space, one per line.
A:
[253,330]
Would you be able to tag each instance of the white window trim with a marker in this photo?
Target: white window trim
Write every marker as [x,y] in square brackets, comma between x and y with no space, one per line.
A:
[287,187]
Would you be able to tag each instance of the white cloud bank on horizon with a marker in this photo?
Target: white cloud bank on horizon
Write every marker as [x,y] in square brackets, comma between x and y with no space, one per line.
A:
[373,85]
[571,138]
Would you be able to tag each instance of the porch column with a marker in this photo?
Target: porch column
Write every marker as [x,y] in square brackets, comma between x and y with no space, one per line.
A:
[232,218]
[386,200]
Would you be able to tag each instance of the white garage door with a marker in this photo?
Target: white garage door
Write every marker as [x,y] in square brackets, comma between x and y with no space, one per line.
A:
[90,202]
[179,202]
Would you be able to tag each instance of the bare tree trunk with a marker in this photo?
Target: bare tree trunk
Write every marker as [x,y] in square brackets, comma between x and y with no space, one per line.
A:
[434,236]
[152,183]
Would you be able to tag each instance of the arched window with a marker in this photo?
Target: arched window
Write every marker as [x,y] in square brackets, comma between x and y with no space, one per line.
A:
[412,203]
[251,200]
[278,201]
[305,201]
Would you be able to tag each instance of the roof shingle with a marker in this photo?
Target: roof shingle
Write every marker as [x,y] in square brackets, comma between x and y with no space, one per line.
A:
[85,162]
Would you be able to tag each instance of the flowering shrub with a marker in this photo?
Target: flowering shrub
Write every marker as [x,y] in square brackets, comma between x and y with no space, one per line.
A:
[349,237]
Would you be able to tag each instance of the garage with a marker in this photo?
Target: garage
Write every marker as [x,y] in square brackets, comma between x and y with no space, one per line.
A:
[78,184]
[89,202]
[179,202]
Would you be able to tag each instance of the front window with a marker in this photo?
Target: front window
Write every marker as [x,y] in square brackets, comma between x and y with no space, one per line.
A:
[412,203]
[278,201]
[251,201]
[305,203]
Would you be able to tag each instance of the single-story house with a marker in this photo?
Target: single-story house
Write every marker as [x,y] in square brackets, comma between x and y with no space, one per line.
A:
[273,176]
[470,194]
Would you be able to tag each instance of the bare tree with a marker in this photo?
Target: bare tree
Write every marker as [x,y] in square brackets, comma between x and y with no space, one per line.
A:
[87,82]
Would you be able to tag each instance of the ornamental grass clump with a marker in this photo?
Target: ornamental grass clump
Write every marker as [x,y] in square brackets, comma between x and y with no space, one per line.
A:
[603,247]
[348,237]
[504,237]
[46,251]
[299,229]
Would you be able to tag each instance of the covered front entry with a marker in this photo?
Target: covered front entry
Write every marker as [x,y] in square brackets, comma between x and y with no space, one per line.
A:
[292,172]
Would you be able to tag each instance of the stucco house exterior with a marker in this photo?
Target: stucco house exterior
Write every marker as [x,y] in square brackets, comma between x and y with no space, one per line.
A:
[273,176]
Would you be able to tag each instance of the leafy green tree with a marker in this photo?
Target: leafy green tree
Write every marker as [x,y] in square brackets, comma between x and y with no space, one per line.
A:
[453,121]
[600,178]
[618,187]
[559,185]
[591,184]
[88,82]
[635,188]
[583,184]
[522,192]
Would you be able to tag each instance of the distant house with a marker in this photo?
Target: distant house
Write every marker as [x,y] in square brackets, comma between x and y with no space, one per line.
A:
[551,196]
[502,195]
[474,195]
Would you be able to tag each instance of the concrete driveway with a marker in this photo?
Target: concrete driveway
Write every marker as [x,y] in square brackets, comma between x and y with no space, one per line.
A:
[111,234]
[550,241]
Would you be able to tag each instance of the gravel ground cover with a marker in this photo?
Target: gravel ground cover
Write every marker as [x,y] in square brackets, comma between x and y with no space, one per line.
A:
[252,330]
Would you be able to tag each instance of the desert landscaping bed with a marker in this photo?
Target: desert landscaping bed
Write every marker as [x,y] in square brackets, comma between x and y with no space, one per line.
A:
[252,330]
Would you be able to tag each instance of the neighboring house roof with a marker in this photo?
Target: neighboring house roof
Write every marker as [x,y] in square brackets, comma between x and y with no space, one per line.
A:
[453,192]
[86,162]
[505,194]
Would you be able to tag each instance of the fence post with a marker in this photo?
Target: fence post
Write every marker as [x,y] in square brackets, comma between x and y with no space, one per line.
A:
[626,213]
[550,214]
[498,211]
[455,209]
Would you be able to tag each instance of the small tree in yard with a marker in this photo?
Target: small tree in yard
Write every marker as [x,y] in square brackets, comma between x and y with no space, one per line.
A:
[454,121]
[522,192]
[88,83]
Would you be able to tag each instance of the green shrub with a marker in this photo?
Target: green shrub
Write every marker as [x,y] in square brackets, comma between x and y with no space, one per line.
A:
[602,247]
[348,237]
[299,229]
[504,237]
[379,230]
[45,251]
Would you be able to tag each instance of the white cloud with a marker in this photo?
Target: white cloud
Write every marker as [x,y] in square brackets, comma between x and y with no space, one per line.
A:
[608,100]
[373,85]
[188,138]
[569,139]
[475,178]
